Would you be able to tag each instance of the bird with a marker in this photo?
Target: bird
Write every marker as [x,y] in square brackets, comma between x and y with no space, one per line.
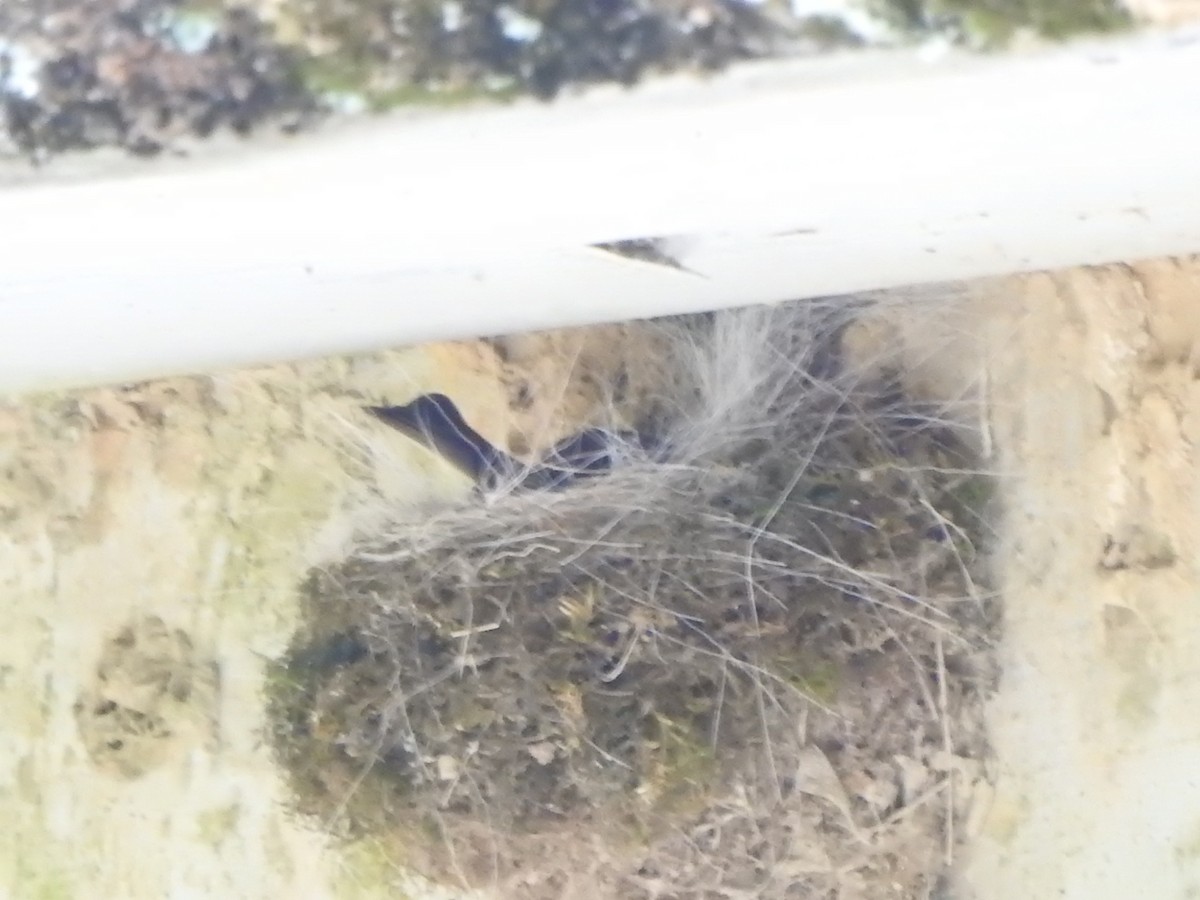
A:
[434,421]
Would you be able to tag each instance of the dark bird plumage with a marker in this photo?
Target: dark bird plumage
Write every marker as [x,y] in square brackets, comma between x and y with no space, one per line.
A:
[434,421]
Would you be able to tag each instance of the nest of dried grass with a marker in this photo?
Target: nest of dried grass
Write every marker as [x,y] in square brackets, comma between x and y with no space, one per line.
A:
[743,665]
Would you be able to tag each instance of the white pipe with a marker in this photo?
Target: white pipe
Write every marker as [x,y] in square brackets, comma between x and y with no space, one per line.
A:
[788,179]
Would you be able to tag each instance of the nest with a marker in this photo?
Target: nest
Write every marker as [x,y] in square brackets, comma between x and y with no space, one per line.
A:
[667,663]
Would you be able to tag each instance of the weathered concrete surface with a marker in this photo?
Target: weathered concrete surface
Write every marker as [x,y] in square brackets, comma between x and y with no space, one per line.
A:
[1096,409]
[199,503]
[151,541]
[1089,385]
[196,502]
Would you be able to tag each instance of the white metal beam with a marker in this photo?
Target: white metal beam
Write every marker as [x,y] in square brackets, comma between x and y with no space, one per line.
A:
[784,180]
